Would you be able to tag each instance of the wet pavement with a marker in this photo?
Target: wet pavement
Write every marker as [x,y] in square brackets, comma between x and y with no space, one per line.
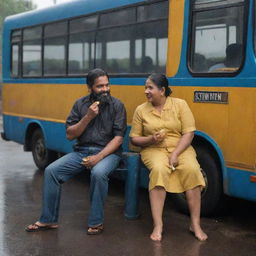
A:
[20,202]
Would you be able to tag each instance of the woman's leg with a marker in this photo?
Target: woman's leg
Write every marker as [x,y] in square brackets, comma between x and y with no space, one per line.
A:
[194,203]
[157,197]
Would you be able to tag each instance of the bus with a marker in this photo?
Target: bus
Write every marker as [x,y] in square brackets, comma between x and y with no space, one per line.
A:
[206,48]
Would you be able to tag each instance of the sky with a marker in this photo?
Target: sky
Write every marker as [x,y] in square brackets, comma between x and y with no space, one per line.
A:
[46,3]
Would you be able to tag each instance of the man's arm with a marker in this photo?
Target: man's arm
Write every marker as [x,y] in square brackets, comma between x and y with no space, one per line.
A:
[119,128]
[74,131]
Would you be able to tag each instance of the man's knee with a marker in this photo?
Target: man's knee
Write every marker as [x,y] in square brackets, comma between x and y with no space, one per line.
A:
[99,174]
[51,173]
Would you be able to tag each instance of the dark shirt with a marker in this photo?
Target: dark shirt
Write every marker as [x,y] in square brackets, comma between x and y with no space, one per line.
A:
[110,122]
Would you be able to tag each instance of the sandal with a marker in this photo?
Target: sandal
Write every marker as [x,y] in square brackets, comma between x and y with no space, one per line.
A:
[95,230]
[35,227]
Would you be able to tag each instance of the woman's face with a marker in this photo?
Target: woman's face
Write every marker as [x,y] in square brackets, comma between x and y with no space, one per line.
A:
[152,92]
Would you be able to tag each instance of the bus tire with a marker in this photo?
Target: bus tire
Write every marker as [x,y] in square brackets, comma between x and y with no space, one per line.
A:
[41,155]
[212,194]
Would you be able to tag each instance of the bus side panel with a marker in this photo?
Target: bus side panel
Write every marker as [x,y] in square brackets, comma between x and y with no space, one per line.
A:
[15,129]
[239,184]
[55,137]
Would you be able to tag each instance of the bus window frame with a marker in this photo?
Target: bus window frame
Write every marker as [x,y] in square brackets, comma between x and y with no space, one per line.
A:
[254,27]
[21,56]
[11,63]
[245,5]
[67,36]
[19,44]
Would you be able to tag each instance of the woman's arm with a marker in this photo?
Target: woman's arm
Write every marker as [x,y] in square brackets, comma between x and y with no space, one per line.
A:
[183,144]
[143,141]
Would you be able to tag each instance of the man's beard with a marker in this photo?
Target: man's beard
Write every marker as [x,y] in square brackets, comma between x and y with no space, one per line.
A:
[103,97]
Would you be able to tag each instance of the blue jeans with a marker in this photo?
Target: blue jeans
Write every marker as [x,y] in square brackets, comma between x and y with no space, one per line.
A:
[65,168]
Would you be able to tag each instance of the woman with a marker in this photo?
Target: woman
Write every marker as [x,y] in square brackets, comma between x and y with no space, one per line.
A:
[164,128]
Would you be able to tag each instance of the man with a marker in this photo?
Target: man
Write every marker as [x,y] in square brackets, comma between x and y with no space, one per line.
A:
[98,122]
[234,55]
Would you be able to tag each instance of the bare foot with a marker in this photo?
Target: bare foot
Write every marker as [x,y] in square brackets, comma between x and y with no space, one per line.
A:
[198,232]
[157,233]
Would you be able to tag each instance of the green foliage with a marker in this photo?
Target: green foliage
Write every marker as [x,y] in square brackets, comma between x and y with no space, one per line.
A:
[10,7]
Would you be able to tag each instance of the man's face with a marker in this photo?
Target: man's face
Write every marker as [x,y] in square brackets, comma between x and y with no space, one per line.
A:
[101,89]
[101,85]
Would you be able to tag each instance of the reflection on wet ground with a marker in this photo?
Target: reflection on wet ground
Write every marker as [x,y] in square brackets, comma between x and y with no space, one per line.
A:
[20,199]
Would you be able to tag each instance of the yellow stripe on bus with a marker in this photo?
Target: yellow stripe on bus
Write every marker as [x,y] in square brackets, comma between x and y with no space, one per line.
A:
[53,102]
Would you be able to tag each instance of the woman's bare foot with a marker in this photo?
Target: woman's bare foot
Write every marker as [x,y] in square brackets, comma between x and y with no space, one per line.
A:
[198,232]
[157,233]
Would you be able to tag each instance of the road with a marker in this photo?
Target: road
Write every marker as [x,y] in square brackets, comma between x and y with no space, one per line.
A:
[20,201]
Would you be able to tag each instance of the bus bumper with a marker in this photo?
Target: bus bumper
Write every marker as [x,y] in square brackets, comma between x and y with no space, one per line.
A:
[3,136]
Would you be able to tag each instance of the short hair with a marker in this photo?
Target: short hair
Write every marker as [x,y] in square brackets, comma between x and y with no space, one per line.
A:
[94,74]
[160,80]
[234,54]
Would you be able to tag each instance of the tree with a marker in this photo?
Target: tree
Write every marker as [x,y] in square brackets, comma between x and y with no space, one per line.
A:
[10,7]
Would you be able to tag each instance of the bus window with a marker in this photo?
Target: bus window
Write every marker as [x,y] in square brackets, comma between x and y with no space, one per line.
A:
[15,60]
[121,17]
[138,48]
[16,42]
[81,45]
[55,39]
[151,38]
[32,50]
[151,47]
[83,24]
[153,11]
[81,53]
[217,36]
[115,49]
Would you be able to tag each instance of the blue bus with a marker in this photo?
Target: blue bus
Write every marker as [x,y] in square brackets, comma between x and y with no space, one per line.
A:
[206,49]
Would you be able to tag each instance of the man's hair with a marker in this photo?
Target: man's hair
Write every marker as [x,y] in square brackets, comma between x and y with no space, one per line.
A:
[94,74]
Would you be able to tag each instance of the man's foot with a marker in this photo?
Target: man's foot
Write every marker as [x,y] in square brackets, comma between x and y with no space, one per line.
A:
[95,230]
[157,233]
[198,232]
[38,226]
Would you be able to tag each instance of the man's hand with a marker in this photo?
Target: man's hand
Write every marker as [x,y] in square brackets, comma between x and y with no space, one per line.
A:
[91,161]
[93,110]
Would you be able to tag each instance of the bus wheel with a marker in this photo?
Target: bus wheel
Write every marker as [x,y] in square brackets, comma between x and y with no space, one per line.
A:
[212,194]
[41,155]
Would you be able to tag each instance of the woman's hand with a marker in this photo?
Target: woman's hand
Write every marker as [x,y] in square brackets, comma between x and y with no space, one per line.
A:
[183,144]
[173,161]
[144,141]
[158,137]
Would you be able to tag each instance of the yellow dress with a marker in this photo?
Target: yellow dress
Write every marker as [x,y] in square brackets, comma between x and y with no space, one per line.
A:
[177,119]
